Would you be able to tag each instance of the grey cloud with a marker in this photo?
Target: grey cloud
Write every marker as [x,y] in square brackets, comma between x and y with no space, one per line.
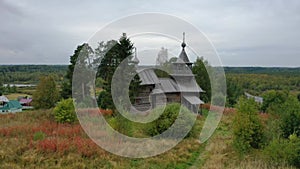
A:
[243,32]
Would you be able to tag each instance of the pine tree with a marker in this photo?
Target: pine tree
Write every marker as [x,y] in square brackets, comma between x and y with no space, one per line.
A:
[112,53]
[202,78]
[84,51]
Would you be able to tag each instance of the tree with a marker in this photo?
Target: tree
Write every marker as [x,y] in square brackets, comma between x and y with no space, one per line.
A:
[202,77]
[281,151]
[1,87]
[104,100]
[234,91]
[273,100]
[111,54]
[46,94]
[14,89]
[8,88]
[247,127]
[83,51]
[290,117]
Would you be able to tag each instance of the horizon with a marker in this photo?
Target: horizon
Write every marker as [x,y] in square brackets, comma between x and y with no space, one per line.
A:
[290,67]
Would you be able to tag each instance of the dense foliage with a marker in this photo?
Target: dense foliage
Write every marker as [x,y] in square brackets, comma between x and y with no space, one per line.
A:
[168,117]
[234,91]
[247,127]
[110,55]
[64,112]
[290,117]
[46,94]
[202,77]
[256,84]
[29,73]
[104,100]
[81,58]
[7,89]
[263,70]
[273,100]
[281,151]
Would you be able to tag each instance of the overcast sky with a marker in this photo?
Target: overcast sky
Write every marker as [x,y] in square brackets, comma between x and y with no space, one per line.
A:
[245,33]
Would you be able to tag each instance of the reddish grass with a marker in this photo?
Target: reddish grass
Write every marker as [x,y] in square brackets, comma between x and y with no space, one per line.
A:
[226,110]
[93,112]
[85,147]
[49,128]
[7,116]
[60,138]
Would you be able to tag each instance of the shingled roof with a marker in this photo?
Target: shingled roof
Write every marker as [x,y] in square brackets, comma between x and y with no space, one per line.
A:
[168,85]
[12,105]
[183,57]
[147,76]
[3,99]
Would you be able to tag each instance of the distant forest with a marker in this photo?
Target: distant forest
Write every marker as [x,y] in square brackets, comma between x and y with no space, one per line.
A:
[260,80]
[263,70]
[30,73]
[255,80]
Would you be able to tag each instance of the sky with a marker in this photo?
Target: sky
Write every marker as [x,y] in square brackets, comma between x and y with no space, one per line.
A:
[244,33]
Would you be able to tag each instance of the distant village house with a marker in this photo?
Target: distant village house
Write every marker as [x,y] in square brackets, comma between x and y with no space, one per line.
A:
[257,99]
[14,106]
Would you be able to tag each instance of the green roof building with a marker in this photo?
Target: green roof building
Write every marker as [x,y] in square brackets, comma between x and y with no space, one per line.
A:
[12,106]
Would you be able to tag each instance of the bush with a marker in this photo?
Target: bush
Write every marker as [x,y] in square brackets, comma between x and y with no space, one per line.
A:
[284,151]
[272,129]
[121,124]
[290,117]
[247,128]
[46,94]
[168,117]
[64,112]
[105,100]
[273,100]
[39,136]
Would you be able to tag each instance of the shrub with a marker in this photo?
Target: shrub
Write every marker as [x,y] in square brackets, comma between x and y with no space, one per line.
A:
[39,136]
[247,128]
[290,117]
[121,124]
[168,117]
[64,112]
[46,94]
[272,129]
[105,100]
[165,120]
[272,101]
[284,151]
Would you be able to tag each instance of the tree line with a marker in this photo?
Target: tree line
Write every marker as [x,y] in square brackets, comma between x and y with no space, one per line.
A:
[29,73]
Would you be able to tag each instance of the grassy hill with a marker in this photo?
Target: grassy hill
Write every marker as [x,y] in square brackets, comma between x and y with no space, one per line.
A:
[32,139]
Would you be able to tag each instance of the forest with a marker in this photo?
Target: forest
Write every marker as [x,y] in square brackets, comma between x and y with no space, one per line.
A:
[254,80]
[22,74]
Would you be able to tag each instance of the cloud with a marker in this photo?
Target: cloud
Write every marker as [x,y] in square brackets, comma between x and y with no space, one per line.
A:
[261,33]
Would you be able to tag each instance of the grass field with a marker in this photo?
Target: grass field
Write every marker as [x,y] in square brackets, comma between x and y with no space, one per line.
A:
[33,139]
[67,146]
[14,96]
